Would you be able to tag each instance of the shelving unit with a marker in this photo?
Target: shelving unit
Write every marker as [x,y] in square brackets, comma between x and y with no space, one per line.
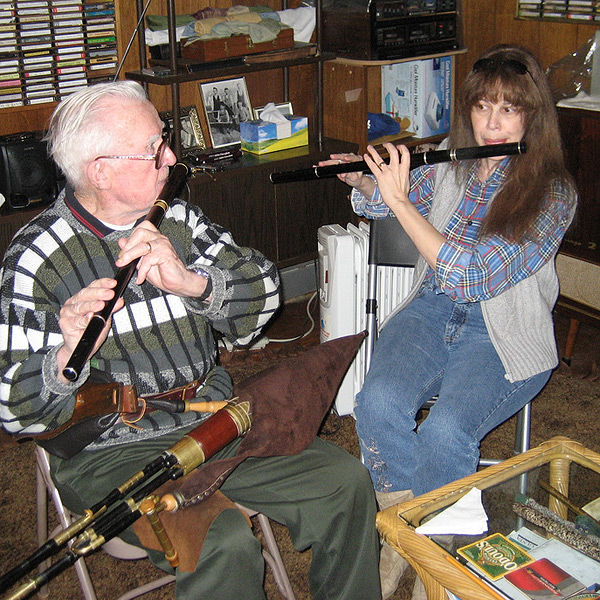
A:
[183,71]
[280,221]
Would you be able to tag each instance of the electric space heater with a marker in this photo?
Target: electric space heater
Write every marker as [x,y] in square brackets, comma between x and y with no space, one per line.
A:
[343,277]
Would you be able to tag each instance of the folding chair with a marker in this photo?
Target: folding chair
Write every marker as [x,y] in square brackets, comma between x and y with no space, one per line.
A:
[389,245]
[119,549]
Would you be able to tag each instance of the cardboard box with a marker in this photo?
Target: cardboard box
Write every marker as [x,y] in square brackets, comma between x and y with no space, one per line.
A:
[419,90]
[259,137]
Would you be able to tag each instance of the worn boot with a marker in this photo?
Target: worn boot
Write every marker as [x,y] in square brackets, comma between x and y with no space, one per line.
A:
[391,564]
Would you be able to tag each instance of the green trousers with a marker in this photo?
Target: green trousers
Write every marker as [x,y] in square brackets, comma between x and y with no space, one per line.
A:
[323,495]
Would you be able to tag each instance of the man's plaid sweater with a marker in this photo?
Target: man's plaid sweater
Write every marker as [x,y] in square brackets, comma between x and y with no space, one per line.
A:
[158,341]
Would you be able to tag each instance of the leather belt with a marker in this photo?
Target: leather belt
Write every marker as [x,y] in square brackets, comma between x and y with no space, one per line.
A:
[185,392]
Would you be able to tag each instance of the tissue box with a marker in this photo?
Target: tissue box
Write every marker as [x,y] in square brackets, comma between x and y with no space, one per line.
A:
[419,90]
[260,137]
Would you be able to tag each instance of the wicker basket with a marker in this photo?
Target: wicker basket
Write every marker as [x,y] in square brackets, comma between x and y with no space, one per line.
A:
[438,569]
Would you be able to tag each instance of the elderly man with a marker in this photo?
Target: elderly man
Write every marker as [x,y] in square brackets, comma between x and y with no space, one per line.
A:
[191,278]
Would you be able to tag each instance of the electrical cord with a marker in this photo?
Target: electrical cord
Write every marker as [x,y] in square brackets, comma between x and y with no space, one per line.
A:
[305,334]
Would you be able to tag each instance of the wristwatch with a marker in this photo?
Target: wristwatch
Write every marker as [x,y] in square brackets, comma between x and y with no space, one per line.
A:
[208,290]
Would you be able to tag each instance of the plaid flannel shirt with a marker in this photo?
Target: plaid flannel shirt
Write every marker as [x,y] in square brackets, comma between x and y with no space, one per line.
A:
[470,269]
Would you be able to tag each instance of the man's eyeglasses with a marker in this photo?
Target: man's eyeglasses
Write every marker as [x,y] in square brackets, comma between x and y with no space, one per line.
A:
[157,158]
[495,64]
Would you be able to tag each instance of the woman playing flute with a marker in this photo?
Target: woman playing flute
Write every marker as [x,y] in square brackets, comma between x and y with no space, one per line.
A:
[476,329]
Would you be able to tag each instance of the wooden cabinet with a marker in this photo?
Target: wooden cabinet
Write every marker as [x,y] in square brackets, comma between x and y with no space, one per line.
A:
[279,220]
[352,88]
[578,262]
[581,138]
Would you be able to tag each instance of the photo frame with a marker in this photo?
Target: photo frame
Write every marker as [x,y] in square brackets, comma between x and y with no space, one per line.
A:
[192,137]
[285,108]
[226,104]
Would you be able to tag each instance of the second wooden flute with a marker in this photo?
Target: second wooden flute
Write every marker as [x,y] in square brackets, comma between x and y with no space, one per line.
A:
[416,160]
[94,328]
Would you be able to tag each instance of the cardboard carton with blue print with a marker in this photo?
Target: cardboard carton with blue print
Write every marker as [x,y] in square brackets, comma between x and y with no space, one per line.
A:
[420,91]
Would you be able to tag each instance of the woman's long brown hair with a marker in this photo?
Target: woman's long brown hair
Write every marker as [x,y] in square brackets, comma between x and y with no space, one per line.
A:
[520,199]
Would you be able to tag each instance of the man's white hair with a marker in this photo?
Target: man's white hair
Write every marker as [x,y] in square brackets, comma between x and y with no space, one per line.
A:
[77,135]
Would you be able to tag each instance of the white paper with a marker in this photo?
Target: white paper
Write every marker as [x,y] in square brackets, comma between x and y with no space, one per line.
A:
[593,508]
[465,517]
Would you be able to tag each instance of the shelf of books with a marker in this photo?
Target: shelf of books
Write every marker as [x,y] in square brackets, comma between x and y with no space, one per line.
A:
[559,10]
[50,48]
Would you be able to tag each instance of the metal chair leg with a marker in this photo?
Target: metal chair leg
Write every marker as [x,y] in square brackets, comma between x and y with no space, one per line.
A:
[271,554]
[43,487]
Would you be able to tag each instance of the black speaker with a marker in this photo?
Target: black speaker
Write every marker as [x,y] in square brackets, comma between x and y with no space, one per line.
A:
[28,177]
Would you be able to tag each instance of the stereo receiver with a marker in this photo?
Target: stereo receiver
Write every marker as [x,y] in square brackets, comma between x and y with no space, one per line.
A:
[389,29]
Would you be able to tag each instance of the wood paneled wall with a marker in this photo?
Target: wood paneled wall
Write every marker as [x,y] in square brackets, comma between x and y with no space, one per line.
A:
[489,22]
[486,22]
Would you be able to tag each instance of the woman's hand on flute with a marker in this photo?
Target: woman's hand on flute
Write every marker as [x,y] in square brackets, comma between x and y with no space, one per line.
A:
[159,263]
[393,178]
[353,178]
[76,313]
[356,179]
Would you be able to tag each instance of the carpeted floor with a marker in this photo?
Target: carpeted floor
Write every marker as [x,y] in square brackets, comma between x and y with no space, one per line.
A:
[569,405]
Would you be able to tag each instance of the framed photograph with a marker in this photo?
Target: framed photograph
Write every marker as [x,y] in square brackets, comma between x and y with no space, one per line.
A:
[285,108]
[226,103]
[192,137]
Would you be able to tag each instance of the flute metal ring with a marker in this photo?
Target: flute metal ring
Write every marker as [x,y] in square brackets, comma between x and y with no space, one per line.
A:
[149,247]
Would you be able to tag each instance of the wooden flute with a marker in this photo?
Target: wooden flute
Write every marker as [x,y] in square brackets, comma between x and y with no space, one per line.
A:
[416,160]
[81,354]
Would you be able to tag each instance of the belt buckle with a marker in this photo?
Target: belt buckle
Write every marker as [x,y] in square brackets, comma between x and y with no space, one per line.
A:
[193,385]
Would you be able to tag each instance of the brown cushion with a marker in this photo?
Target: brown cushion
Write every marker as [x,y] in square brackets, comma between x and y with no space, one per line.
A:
[288,403]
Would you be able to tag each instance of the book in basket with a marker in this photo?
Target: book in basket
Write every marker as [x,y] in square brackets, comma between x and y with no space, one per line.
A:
[544,580]
[495,556]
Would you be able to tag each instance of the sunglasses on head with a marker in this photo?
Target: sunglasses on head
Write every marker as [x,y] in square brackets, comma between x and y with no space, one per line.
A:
[489,65]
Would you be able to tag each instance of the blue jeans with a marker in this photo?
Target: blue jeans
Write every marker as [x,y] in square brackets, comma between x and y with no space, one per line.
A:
[434,347]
